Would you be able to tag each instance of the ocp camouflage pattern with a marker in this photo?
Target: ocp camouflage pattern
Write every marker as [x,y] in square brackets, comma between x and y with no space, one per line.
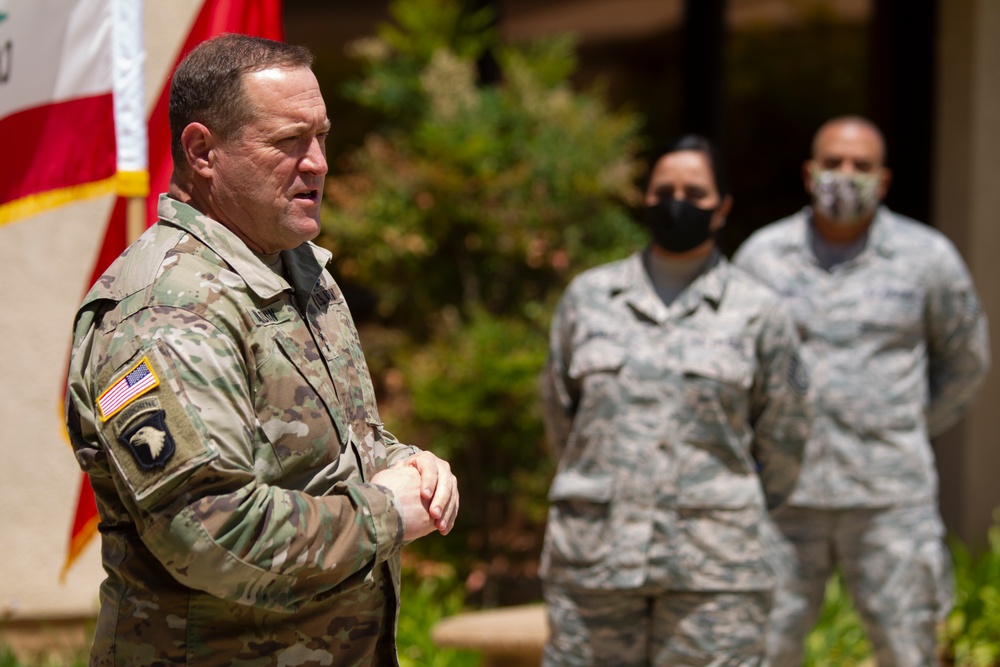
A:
[256,538]
[674,427]
[897,346]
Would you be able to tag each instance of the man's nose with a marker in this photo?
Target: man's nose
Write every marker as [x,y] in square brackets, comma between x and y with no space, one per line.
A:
[848,166]
[314,161]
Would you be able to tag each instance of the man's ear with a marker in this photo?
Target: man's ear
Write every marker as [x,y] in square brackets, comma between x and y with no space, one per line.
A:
[883,187]
[807,175]
[198,143]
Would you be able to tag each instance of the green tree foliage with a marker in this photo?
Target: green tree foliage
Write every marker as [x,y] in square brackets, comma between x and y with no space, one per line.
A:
[972,633]
[838,638]
[431,592]
[476,196]
[463,217]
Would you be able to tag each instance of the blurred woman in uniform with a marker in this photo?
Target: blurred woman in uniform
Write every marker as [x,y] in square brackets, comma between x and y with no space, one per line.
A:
[675,404]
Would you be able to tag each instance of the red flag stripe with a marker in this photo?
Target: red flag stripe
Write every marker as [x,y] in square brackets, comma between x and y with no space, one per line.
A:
[57,146]
[251,17]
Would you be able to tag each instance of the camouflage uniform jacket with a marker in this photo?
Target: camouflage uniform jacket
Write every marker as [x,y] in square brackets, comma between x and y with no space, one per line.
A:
[896,344]
[227,423]
[674,427]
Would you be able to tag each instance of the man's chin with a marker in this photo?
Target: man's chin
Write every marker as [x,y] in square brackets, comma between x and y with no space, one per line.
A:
[307,229]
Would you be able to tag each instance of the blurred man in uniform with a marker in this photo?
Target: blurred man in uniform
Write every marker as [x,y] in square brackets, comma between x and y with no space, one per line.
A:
[897,346]
[252,505]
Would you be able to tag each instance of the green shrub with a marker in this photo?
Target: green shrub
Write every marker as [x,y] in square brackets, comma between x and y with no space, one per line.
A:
[972,633]
[431,592]
[462,218]
[838,638]
[9,659]
[476,196]
[474,396]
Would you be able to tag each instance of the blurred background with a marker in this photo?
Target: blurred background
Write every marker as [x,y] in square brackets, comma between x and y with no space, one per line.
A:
[759,76]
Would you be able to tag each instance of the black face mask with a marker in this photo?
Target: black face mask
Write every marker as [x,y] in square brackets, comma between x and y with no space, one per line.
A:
[678,226]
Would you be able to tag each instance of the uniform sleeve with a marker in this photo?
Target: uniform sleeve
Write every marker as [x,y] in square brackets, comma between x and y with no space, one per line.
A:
[746,255]
[202,511]
[781,409]
[395,450]
[958,342]
[560,395]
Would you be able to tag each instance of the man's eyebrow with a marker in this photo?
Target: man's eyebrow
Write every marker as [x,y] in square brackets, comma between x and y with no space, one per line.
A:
[302,126]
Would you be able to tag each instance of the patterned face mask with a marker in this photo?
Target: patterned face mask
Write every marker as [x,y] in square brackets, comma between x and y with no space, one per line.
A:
[844,198]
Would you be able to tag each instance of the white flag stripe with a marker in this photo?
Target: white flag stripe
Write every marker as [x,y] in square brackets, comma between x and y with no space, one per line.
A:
[61,51]
[129,61]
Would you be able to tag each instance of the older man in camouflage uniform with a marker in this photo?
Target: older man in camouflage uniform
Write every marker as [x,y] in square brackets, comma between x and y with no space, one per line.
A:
[252,504]
[897,345]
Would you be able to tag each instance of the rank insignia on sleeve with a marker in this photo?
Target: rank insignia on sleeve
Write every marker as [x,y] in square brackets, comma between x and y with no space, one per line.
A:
[137,381]
[149,440]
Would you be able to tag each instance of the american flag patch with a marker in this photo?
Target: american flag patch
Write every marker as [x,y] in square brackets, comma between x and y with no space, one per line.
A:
[137,381]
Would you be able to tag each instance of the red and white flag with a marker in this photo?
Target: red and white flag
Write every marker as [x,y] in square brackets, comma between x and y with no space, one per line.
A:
[72,113]
[261,18]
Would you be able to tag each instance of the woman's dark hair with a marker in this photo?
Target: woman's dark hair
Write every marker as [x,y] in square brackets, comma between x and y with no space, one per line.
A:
[692,142]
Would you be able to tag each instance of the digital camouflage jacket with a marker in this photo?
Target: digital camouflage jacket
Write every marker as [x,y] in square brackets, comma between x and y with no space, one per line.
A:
[675,429]
[227,422]
[897,346]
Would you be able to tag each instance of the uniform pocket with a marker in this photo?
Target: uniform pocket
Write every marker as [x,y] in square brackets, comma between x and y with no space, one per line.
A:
[579,517]
[597,355]
[296,408]
[724,369]
[723,549]
[715,417]
[154,442]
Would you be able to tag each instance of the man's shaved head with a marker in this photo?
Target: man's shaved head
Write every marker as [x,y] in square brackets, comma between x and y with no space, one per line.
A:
[849,125]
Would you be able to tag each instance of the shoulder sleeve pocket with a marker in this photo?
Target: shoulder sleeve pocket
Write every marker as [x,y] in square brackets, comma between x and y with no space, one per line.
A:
[150,437]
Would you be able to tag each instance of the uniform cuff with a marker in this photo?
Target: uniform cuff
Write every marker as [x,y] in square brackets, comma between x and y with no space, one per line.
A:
[384,518]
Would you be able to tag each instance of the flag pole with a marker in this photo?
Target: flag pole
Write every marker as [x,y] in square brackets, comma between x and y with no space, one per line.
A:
[135,219]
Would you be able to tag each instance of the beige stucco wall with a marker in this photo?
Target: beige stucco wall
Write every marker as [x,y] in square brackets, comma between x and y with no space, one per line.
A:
[967,208]
[45,262]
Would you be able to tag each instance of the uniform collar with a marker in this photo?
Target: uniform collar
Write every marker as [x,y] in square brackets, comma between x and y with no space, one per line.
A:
[636,289]
[796,240]
[303,264]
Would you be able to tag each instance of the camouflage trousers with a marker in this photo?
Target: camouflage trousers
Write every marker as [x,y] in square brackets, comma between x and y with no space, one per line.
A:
[894,564]
[647,626]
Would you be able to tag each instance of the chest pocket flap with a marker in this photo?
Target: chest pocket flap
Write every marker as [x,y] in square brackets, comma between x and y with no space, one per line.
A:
[597,355]
[569,485]
[721,364]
